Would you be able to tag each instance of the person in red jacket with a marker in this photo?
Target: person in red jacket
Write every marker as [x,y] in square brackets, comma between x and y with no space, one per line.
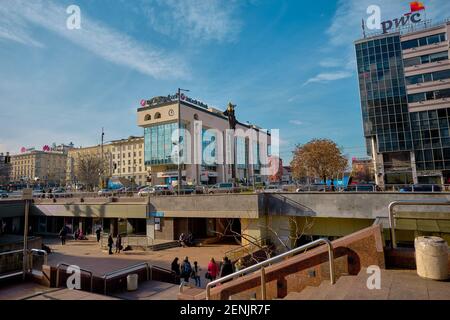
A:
[213,270]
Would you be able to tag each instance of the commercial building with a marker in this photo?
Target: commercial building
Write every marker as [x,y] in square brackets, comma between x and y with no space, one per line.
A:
[208,150]
[127,156]
[404,82]
[123,159]
[39,167]
[363,170]
[5,168]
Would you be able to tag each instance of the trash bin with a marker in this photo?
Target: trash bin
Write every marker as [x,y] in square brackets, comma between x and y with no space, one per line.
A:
[432,258]
[132,282]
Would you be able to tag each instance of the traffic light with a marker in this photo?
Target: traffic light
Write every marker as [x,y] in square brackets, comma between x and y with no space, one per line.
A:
[149,179]
[7,159]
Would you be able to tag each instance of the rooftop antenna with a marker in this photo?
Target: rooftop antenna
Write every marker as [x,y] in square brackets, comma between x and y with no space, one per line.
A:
[363,25]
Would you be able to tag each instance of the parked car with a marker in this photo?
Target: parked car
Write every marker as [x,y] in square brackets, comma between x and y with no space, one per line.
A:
[3,194]
[222,188]
[156,190]
[312,187]
[38,193]
[105,193]
[422,188]
[272,189]
[185,189]
[361,188]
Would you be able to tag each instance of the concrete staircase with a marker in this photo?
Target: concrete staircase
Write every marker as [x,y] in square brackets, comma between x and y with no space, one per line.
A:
[164,245]
[395,285]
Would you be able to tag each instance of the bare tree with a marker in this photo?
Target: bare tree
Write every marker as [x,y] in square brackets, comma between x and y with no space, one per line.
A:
[258,245]
[89,168]
[319,158]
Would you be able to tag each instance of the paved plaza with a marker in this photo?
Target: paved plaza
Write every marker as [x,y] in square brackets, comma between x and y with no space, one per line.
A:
[88,255]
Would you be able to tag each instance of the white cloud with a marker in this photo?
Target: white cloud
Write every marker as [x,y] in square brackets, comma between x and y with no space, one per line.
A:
[327,77]
[202,20]
[296,122]
[331,63]
[98,38]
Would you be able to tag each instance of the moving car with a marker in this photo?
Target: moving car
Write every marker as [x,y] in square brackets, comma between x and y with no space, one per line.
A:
[3,194]
[422,188]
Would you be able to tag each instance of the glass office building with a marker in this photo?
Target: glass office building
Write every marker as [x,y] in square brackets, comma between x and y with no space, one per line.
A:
[159,143]
[404,85]
[159,118]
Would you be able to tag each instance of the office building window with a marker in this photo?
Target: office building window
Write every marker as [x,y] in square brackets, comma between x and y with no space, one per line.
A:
[424,41]
[159,143]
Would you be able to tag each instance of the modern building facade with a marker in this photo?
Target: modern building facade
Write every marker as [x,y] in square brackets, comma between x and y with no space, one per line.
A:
[206,148]
[39,167]
[404,84]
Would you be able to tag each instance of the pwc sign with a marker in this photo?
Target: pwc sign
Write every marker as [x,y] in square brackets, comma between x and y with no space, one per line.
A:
[414,16]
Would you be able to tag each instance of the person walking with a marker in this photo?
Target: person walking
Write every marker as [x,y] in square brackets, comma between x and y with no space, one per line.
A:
[118,243]
[227,267]
[175,267]
[186,270]
[213,270]
[110,243]
[98,232]
[196,274]
[63,235]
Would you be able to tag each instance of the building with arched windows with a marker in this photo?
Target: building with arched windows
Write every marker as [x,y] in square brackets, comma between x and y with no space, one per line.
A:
[205,148]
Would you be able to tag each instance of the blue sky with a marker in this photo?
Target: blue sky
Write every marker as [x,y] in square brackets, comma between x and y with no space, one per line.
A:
[287,64]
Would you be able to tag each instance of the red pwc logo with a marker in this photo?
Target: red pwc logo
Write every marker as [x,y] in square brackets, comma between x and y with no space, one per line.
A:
[416,6]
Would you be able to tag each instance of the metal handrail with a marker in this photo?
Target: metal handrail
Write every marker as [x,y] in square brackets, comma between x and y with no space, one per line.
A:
[31,251]
[394,204]
[124,271]
[68,265]
[272,260]
[11,252]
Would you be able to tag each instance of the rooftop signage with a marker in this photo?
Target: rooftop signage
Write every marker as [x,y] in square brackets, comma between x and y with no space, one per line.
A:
[374,21]
[172,98]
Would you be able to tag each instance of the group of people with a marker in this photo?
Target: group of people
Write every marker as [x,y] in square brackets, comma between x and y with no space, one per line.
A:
[78,235]
[186,271]
[119,246]
[186,240]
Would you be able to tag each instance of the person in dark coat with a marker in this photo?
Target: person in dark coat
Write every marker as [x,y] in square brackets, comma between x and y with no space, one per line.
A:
[63,235]
[98,232]
[110,243]
[118,243]
[227,267]
[175,267]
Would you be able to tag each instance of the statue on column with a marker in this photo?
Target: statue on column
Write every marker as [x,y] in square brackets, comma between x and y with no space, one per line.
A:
[230,113]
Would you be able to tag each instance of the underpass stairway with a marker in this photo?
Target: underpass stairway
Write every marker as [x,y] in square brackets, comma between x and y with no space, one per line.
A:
[395,285]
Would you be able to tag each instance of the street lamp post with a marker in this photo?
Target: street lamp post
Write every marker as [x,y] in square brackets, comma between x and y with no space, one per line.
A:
[179,132]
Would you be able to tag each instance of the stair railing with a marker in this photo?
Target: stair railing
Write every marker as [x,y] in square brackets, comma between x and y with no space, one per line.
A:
[58,268]
[394,204]
[261,265]
[125,271]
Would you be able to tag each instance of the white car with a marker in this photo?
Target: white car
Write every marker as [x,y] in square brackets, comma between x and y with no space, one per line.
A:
[146,191]
[272,189]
